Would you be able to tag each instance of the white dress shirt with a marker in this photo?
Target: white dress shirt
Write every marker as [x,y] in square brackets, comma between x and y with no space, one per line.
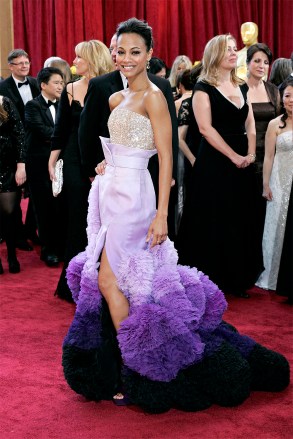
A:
[24,91]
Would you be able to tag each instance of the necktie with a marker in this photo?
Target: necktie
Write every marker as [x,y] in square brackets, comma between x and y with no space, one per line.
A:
[20,84]
[53,103]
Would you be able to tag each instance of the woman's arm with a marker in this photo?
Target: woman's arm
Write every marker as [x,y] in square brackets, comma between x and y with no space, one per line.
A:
[202,111]
[157,110]
[182,131]
[251,135]
[270,148]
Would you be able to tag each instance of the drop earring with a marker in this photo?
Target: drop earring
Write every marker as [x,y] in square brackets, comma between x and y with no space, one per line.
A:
[148,64]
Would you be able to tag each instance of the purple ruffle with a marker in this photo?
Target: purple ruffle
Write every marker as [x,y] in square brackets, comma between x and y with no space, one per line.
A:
[156,344]
[73,274]
[169,304]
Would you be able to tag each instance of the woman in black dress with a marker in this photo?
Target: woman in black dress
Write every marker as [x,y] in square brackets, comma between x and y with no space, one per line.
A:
[92,59]
[12,175]
[218,232]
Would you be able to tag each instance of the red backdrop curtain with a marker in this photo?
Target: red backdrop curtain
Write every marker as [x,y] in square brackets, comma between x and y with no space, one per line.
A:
[53,27]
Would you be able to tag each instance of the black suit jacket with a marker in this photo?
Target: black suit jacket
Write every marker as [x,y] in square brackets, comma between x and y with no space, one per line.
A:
[9,89]
[39,127]
[95,115]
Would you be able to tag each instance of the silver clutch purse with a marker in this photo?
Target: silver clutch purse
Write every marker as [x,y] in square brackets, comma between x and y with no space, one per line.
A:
[58,182]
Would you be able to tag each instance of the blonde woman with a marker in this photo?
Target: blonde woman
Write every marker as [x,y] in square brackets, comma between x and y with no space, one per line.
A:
[219,231]
[181,63]
[92,59]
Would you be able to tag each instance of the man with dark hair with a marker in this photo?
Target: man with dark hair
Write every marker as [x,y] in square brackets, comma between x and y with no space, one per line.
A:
[39,120]
[20,88]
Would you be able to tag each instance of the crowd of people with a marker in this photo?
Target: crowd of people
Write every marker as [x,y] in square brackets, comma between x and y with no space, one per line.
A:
[219,154]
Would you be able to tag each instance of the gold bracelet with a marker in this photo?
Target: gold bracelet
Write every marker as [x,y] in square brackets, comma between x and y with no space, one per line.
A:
[252,155]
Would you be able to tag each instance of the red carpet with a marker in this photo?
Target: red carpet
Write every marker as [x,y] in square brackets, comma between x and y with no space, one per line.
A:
[38,404]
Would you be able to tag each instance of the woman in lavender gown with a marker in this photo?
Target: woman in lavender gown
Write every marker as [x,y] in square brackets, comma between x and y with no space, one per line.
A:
[144,325]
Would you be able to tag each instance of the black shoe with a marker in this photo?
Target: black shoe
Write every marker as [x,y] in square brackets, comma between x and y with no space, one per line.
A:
[50,259]
[22,244]
[1,267]
[13,265]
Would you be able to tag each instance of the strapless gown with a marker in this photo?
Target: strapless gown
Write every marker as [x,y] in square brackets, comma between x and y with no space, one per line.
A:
[176,351]
[276,212]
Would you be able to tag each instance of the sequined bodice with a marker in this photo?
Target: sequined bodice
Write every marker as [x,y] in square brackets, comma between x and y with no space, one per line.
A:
[131,129]
[285,142]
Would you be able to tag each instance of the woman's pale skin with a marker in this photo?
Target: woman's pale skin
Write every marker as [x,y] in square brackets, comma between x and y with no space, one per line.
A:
[202,111]
[270,140]
[79,91]
[257,70]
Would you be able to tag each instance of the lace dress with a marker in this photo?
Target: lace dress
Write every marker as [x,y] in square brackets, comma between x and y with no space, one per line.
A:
[175,348]
[12,148]
[276,214]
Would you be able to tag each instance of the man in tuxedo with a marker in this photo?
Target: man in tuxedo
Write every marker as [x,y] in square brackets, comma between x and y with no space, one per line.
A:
[39,120]
[21,88]
[94,119]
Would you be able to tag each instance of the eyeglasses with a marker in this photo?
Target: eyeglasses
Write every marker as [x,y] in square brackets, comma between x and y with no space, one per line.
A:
[25,63]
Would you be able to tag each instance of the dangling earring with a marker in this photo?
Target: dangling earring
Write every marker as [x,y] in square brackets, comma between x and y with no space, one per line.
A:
[148,64]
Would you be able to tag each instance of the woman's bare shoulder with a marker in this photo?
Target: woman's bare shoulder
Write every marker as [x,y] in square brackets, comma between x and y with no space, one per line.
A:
[115,99]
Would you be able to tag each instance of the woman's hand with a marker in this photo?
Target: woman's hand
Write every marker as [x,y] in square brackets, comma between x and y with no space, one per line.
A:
[158,230]
[267,193]
[20,175]
[100,168]
[51,168]
[240,161]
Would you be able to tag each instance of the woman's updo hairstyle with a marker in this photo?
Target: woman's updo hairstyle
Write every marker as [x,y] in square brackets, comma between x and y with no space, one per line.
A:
[139,27]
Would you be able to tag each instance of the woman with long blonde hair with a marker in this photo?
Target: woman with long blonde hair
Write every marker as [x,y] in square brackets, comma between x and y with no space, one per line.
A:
[92,59]
[219,233]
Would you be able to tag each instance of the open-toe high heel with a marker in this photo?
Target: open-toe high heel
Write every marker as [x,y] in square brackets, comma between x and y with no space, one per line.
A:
[121,399]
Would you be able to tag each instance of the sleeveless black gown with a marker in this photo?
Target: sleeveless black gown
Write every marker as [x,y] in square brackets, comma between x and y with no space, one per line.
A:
[220,227]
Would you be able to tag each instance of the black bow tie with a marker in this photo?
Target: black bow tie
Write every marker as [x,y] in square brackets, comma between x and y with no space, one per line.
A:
[20,84]
[52,103]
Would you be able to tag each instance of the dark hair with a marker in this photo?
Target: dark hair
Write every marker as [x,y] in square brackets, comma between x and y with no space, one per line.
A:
[3,112]
[195,72]
[156,65]
[259,47]
[133,25]
[15,53]
[288,82]
[185,79]
[45,74]
[281,69]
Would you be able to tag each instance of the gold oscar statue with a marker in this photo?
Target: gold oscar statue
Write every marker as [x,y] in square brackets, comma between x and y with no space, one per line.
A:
[249,34]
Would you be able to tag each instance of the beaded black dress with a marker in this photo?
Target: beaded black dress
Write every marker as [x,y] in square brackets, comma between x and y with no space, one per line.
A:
[12,150]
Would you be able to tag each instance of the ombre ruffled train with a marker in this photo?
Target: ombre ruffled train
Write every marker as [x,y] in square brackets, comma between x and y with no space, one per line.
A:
[176,350]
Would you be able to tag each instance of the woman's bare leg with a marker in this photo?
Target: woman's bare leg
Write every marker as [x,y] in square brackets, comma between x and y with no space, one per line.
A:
[117,302]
